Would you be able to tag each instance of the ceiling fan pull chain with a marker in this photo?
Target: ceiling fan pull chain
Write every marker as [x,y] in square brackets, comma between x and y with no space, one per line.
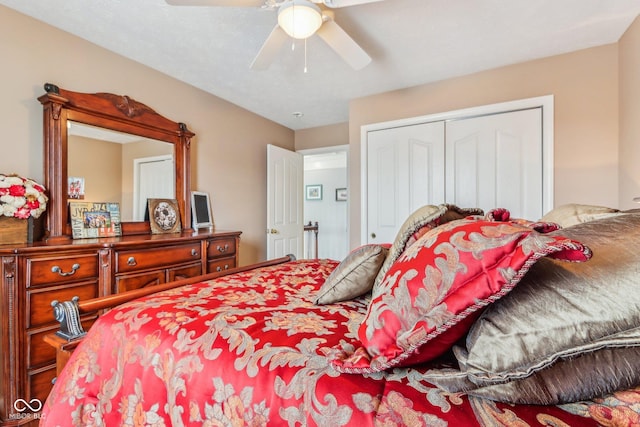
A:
[305,55]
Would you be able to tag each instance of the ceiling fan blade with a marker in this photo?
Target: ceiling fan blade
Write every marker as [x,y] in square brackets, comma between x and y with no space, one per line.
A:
[269,49]
[344,45]
[345,3]
[221,3]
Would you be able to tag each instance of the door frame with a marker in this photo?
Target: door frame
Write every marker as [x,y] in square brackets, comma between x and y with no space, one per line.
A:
[323,150]
[544,102]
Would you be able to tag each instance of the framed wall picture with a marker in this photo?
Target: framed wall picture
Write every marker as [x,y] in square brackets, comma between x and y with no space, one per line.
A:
[341,194]
[201,216]
[94,219]
[313,192]
[164,216]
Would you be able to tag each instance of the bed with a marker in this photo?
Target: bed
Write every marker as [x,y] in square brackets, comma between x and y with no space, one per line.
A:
[466,319]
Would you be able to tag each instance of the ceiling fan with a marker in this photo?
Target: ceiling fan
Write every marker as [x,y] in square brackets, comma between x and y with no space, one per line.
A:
[299,19]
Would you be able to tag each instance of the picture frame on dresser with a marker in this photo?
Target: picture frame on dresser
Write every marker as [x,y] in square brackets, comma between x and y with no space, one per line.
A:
[201,213]
[90,220]
[164,216]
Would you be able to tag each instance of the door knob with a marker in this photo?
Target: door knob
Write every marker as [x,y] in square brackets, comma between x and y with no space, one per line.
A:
[272,231]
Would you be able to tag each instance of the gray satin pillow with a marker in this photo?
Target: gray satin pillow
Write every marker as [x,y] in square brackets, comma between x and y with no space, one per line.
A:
[573,213]
[354,276]
[567,332]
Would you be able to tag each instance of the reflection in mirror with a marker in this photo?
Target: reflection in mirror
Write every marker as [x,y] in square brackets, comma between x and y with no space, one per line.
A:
[109,166]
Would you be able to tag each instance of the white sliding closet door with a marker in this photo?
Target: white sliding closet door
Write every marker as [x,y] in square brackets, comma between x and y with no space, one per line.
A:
[405,170]
[496,161]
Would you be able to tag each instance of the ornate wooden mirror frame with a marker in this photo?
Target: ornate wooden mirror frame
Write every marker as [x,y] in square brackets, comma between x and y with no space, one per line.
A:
[114,112]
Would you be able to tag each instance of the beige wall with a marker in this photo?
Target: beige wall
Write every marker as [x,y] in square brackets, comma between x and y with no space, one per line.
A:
[585,89]
[229,150]
[100,164]
[323,136]
[629,171]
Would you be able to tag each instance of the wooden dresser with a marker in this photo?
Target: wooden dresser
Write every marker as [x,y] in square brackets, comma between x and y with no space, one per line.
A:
[35,275]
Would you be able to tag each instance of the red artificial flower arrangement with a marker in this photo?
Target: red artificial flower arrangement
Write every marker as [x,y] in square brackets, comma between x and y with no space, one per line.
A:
[21,197]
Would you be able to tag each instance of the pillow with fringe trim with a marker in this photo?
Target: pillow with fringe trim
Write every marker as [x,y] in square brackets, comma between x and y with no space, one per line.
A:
[437,288]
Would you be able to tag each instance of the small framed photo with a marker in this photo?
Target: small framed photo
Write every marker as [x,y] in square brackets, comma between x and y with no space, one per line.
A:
[313,192]
[201,216]
[75,189]
[164,216]
[341,194]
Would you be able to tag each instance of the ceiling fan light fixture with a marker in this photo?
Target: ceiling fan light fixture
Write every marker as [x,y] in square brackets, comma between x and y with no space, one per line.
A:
[299,18]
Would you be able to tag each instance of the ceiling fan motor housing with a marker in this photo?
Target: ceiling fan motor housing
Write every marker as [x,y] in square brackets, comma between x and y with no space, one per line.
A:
[299,18]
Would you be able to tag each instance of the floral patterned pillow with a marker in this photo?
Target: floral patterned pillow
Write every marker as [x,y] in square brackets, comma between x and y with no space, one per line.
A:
[416,225]
[433,293]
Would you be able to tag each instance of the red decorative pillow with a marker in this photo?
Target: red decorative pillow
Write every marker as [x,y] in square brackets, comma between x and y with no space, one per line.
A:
[432,294]
[419,222]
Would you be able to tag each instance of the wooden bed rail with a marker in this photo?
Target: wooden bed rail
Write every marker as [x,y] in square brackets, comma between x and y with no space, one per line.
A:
[68,312]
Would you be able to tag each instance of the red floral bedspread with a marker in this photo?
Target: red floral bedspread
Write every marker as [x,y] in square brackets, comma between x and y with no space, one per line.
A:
[249,349]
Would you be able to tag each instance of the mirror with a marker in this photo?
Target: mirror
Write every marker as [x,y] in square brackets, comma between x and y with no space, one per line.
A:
[131,169]
[122,118]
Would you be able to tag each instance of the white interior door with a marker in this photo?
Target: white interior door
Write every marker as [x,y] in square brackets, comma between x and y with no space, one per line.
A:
[405,170]
[153,179]
[285,227]
[496,161]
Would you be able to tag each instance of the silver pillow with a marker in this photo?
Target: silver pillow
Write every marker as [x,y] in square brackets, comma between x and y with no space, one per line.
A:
[567,332]
[354,276]
[574,213]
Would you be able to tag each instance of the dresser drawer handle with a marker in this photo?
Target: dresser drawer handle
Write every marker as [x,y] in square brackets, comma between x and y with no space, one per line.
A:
[53,380]
[226,267]
[132,261]
[223,249]
[194,252]
[57,269]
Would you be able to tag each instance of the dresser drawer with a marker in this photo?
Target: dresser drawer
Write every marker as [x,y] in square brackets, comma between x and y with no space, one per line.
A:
[185,272]
[220,264]
[221,247]
[40,383]
[39,301]
[130,282]
[41,353]
[64,269]
[127,261]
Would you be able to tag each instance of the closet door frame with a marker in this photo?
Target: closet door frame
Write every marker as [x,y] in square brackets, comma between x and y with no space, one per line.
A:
[545,102]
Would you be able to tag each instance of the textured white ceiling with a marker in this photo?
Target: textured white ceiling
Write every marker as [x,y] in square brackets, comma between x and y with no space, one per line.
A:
[411,42]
